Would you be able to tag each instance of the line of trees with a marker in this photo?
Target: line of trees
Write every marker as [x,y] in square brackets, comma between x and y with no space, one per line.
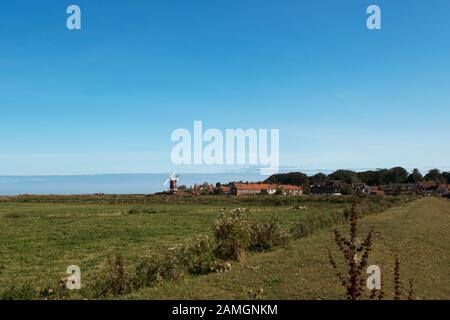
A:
[371,177]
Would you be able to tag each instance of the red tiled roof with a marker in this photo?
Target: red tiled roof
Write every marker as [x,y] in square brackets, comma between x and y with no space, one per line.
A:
[428,184]
[265,186]
[255,186]
[290,187]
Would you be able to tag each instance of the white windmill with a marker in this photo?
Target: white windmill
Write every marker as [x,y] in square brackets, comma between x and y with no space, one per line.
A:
[172,182]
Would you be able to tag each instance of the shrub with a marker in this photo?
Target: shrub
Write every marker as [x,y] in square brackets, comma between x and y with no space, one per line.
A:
[231,232]
[155,267]
[199,258]
[115,281]
[264,236]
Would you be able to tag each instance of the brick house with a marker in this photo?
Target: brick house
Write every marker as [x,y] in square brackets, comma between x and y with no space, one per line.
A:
[239,189]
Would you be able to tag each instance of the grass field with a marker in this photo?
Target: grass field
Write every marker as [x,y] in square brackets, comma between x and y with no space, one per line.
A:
[41,236]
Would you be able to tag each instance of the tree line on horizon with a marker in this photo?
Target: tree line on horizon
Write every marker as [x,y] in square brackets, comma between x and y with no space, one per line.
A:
[370,177]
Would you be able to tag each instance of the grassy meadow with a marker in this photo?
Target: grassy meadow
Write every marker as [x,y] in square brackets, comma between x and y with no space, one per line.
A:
[41,236]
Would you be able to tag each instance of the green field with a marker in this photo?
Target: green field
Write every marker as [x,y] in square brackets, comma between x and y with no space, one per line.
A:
[41,236]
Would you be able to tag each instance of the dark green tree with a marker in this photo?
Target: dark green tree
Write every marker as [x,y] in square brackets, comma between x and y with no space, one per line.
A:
[292,178]
[415,177]
[306,188]
[318,178]
[374,178]
[397,175]
[435,175]
[346,176]
[446,176]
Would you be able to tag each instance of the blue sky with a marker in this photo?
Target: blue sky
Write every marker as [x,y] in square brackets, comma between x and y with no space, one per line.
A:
[106,99]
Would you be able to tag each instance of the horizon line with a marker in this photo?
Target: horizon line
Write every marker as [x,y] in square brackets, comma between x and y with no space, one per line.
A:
[242,171]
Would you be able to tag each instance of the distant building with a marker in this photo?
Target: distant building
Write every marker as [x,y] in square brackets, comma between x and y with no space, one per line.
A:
[173,186]
[428,185]
[172,181]
[204,188]
[443,188]
[376,191]
[331,187]
[239,189]
[291,190]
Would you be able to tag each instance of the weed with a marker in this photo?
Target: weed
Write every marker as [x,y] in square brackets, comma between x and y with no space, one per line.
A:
[257,295]
[355,256]
[412,292]
[397,282]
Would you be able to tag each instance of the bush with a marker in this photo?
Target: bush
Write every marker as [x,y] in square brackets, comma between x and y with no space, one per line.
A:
[199,258]
[232,235]
[156,267]
[264,236]
[115,281]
